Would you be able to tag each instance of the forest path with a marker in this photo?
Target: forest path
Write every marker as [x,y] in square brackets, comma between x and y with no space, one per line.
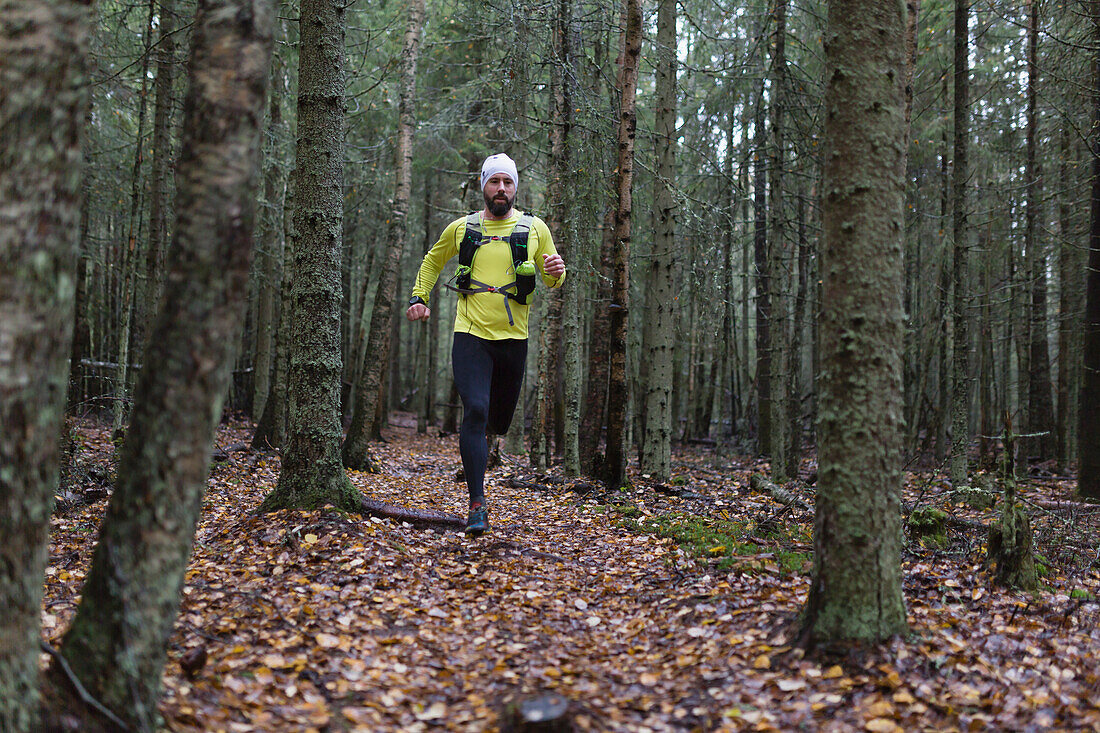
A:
[321,621]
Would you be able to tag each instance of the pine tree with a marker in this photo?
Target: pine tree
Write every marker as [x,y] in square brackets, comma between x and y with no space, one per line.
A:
[855,593]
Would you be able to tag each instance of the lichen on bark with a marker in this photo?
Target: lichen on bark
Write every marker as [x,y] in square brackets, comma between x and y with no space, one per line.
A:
[856,593]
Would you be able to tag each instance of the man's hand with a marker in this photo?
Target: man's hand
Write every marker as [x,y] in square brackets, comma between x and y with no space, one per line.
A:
[418,312]
[553,265]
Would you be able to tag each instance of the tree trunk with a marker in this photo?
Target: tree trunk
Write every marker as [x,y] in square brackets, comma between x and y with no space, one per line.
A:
[1020,325]
[1068,279]
[563,201]
[730,333]
[270,252]
[793,418]
[913,250]
[312,474]
[425,365]
[855,593]
[778,258]
[657,337]
[763,280]
[366,422]
[960,232]
[617,391]
[593,419]
[546,387]
[987,379]
[1040,401]
[43,97]
[1088,433]
[82,332]
[132,249]
[271,429]
[117,642]
[943,371]
[162,169]
[747,244]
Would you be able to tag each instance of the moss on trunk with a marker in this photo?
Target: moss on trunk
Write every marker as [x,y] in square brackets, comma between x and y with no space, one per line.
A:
[312,471]
[43,45]
[116,644]
[856,592]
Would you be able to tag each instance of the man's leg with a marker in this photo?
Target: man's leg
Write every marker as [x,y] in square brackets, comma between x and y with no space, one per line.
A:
[473,372]
[509,363]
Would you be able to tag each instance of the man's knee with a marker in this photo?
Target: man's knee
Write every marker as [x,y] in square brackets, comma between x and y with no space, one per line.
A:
[476,413]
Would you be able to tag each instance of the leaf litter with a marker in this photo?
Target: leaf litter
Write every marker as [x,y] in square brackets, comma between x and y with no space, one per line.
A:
[659,608]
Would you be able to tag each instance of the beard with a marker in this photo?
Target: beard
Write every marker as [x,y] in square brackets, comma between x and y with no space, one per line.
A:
[500,205]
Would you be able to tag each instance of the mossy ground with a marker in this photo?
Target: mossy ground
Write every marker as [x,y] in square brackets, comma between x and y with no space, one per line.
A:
[730,543]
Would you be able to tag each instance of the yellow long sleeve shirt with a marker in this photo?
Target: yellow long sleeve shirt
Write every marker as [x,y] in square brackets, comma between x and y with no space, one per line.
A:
[484,314]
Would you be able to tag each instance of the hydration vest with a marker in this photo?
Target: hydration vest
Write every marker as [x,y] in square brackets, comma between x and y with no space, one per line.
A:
[520,289]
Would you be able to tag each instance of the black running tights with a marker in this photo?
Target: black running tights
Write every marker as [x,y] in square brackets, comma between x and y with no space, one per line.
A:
[488,375]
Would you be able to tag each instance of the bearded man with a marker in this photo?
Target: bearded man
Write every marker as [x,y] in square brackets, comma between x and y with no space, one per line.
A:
[500,250]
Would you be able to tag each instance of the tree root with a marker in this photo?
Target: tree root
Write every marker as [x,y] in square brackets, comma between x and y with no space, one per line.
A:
[424,518]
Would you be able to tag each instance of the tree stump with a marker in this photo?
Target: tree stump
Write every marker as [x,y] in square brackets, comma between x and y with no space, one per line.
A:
[928,525]
[540,713]
[1009,549]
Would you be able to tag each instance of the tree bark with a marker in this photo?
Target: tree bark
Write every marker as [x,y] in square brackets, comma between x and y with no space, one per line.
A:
[117,642]
[730,333]
[312,474]
[43,97]
[271,250]
[1040,388]
[162,169]
[271,428]
[617,391]
[943,371]
[763,280]
[855,593]
[563,228]
[793,418]
[657,336]
[1088,433]
[778,257]
[366,419]
[960,233]
[913,250]
[595,403]
[427,340]
[82,333]
[132,249]
[1068,282]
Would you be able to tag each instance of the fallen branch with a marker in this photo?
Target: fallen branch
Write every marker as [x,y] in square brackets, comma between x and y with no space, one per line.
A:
[1054,506]
[963,523]
[788,498]
[415,517]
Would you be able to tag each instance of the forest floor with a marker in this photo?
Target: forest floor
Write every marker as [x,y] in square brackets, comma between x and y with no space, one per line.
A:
[663,608]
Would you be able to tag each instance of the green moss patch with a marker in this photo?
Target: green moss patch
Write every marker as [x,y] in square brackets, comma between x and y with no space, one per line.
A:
[927,525]
[731,544]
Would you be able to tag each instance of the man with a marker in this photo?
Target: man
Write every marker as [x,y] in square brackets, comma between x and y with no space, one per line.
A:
[499,249]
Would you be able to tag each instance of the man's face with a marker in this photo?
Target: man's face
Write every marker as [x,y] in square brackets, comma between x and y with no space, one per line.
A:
[499,193]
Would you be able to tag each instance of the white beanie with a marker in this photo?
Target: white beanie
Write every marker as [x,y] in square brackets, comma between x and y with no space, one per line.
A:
[499,163]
